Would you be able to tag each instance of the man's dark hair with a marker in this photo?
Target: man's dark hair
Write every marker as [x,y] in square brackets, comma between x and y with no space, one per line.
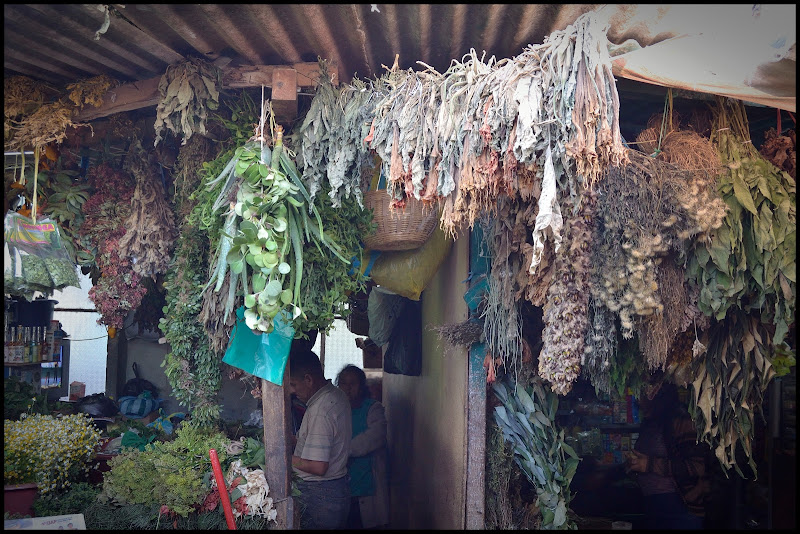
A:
[302,362]
[363,389]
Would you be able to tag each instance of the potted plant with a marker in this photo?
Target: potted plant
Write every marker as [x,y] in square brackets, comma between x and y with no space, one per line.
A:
[43,455]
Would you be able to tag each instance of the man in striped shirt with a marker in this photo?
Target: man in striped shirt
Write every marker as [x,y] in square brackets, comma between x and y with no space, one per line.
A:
[323,444]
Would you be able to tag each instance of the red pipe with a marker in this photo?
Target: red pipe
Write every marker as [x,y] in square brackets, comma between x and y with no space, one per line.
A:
[223,489]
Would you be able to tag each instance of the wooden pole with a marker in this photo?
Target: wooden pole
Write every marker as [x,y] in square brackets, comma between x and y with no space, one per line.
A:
[276,411]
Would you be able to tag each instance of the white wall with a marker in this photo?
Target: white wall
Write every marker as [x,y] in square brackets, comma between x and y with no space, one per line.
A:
[88,340]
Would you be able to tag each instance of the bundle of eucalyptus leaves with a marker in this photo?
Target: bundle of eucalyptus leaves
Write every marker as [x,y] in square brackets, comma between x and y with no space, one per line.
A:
[527,419]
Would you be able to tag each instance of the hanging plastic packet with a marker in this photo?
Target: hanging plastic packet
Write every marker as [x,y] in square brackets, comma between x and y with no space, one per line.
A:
[38,260]
[262,355]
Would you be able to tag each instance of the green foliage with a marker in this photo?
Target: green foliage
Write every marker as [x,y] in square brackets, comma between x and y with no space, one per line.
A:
[327,282]
[107,517]
[20,397]
[253,455]
[165,473]
[527,419]
[191,366]
[74,500]
[750,261]
[628,368]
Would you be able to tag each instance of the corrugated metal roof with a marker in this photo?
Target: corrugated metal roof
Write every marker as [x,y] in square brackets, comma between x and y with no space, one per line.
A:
[60,43]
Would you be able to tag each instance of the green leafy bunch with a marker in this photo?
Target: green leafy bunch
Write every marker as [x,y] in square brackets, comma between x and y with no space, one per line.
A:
[64,199]
[327,283]
[168,473]
[192,368]
[730,379]
[750,261]
[269,224]
[527,419]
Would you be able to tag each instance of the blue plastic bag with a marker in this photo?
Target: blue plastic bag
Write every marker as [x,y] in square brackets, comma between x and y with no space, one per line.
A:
[262,355]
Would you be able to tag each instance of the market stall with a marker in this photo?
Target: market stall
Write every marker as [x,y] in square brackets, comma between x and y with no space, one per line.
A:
[521,251]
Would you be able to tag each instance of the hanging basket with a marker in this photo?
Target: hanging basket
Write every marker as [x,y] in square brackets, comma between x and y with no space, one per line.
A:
[399,229]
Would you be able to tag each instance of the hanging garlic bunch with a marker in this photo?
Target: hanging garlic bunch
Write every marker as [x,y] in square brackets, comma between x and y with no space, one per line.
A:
[566,311]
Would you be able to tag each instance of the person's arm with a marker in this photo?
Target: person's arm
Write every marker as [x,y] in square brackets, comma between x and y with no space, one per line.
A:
[310,466]
[374,437]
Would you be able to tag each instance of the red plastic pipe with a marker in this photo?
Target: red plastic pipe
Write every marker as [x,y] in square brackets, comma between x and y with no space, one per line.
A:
[223,489]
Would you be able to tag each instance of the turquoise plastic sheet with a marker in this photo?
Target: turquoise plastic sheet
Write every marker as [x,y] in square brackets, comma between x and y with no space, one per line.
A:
[262,355]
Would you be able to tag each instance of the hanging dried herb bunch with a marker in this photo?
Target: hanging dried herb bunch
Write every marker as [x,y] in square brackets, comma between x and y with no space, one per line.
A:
[463,334]
[48,124]
[566,312]
[151,230]
[188,90]
[90,91]
[781,150]
[22,95]
[332,138]
[749,262]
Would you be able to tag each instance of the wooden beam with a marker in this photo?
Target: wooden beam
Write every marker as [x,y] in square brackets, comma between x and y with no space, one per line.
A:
[284,94]
[144,93]
[277,418]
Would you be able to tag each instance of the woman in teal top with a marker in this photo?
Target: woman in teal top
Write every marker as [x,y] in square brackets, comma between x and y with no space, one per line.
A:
[367,463]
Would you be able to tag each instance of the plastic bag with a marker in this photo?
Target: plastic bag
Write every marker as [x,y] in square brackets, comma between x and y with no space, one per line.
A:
[97,405]
[404,354]
[262,355]
[408,272]
[383,309]
[38,260]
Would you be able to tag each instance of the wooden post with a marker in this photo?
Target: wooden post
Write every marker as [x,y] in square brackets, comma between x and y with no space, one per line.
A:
[284,93]
[276,411]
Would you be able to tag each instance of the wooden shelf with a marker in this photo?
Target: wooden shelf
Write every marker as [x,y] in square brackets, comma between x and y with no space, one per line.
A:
[18,364]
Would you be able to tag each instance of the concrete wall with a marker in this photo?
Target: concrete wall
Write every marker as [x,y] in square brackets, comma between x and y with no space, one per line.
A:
[237,403]
[426,413]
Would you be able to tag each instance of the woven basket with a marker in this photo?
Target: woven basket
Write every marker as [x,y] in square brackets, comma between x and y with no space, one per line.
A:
[400,229]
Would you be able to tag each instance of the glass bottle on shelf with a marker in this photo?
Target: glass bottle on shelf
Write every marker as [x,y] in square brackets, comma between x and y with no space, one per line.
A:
[26,347]
[19,349]
[49,342]
[37,346]
[8,344]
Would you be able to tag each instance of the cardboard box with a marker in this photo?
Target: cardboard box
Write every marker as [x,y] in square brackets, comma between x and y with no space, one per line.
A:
[77,390]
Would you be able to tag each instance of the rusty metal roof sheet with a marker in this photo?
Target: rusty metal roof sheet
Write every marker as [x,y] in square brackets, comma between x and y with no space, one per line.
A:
[62,43]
